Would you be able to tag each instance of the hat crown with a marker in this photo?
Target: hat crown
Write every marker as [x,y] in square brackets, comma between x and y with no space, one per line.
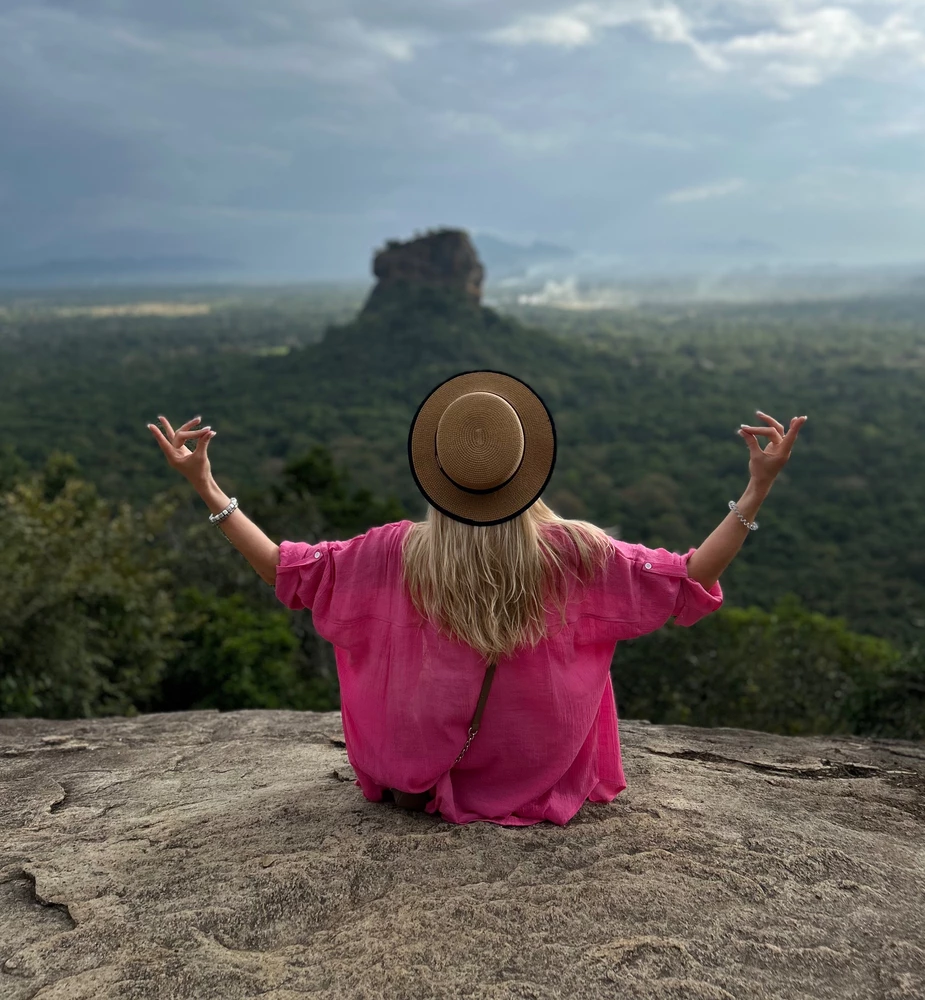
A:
[479,441]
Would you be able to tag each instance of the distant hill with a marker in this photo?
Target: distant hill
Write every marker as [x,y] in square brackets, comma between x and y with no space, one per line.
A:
[503,259]
[646,409]
[422,322]
[100,270]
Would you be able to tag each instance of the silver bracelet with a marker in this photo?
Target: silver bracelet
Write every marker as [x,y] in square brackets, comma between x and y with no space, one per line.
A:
[221,515]
[751,525]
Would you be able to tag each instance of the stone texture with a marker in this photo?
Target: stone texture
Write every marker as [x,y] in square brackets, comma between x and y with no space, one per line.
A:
[230,855]
[444,259]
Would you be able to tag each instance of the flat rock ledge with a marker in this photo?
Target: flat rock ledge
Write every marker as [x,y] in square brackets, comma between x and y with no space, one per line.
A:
[229,855]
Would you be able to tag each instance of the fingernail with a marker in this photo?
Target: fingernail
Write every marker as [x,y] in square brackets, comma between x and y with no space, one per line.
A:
[743,425]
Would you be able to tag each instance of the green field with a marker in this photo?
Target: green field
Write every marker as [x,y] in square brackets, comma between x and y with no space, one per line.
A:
[646,405]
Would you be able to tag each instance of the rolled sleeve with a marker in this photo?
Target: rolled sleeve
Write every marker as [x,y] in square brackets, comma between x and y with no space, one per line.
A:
[304,573]
[663,590]
[694,600]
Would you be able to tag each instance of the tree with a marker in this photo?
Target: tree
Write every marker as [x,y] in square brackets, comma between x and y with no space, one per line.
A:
[114,611]
[87,620]
[234,656]
[788,671]
[895,709]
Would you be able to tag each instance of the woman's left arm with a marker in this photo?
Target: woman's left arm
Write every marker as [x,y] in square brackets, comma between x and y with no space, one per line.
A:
[244,535]
[707,564]
[247,538]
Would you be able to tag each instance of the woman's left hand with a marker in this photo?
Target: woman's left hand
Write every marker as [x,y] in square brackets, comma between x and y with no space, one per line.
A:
[194,465]
[765,464]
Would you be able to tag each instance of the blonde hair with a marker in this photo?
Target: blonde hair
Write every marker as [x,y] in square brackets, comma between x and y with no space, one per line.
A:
[488,586]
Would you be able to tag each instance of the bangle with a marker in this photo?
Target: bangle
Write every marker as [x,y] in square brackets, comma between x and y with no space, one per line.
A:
[221,515]
[751,525]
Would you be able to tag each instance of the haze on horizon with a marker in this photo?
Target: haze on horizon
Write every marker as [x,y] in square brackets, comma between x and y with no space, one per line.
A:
[294,137]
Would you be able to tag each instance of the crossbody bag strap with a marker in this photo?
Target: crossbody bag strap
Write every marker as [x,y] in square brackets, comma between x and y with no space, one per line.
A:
[479,709]
[417,801]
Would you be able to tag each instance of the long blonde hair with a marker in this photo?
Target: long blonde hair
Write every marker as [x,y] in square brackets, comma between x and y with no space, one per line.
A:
[488,586]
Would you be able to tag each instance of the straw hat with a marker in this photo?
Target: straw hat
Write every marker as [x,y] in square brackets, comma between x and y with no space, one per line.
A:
[482,447]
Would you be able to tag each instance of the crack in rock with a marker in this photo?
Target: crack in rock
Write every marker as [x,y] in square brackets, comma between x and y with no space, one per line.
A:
[60,907]
[21,874]
[59,803]
[826,769]
[901,753]
[52,749]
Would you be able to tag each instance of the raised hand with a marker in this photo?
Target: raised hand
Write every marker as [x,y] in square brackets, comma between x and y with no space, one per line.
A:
[194,465]
[765,463]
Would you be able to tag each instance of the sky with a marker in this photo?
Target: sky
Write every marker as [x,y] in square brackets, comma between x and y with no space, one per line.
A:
[295,136]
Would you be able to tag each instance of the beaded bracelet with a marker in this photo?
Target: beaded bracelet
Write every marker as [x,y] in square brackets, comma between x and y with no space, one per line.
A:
[221,515]
[751,525]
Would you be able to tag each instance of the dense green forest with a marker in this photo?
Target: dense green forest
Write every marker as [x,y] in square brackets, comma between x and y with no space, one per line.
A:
[825,606]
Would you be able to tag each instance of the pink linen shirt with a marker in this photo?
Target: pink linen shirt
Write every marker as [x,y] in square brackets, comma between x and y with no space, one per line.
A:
[548,739]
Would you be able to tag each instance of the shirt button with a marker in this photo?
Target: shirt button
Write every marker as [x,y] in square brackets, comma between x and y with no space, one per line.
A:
[648,565]
[317,555]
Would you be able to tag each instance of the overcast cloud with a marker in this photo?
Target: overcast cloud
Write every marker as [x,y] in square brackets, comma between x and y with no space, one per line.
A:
[296,136]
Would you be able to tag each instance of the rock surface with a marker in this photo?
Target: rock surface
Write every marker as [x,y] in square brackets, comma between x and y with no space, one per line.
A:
[230,855]
[444,258]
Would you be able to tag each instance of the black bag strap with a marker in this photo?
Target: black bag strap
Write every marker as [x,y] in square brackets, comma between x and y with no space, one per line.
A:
[417,801]
[483,697]
[479,709]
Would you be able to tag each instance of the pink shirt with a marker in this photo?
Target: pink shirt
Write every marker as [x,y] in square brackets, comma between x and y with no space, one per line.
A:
[548,739]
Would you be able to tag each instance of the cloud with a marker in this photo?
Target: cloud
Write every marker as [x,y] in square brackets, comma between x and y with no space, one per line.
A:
[566,31]
[52,46]
[706,192]
[586,23]
[657,140]
[462,124]
[670,25]
[312,131]
[899,127]
[805,48]
[779,45]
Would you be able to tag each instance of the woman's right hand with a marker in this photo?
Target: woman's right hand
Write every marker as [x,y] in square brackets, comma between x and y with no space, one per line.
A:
[193,465]
[765,464]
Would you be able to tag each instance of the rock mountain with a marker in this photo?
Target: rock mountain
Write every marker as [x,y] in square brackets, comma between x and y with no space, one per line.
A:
[230,856]
[442,259]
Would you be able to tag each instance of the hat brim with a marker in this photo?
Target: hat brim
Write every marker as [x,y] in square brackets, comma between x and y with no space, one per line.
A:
[529,481]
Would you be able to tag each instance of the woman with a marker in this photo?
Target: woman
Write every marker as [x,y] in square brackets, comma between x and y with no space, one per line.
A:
[421,613]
